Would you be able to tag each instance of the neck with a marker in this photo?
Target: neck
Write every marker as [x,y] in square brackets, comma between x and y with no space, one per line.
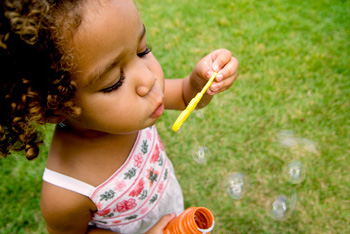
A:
[91,137]
[67,145]
[100,154]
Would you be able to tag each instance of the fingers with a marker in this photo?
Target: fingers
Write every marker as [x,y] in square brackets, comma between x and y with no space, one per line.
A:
[220,58]
[228,70]
[227,73]
[161,224]
[220,61]
[165,220]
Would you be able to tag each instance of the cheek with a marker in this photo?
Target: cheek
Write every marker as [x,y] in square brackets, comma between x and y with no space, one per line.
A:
[106,112]
[155,67]
[98,104]
[158,71]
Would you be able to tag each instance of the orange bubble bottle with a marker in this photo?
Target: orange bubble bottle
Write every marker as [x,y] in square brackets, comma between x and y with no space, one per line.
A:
[194,220]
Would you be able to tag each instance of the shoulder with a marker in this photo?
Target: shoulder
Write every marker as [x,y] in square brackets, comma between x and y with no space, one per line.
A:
[65,211]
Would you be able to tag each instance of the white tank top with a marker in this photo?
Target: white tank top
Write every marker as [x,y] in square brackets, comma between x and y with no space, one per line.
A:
[138,194]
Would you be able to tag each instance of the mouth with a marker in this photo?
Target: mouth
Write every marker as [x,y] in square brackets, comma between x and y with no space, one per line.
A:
[158,111]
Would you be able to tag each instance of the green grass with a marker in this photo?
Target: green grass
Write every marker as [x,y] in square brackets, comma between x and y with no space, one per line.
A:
[294,75]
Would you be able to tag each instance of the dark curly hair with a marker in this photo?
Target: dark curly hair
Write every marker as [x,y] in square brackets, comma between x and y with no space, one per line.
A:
[36,64]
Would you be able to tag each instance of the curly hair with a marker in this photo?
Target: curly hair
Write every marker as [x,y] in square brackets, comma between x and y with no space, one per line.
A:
[36,63]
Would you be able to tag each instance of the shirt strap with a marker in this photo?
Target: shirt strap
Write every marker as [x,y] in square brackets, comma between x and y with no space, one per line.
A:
[67,182]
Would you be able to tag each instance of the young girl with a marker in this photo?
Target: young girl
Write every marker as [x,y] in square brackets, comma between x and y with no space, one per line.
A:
[86,65]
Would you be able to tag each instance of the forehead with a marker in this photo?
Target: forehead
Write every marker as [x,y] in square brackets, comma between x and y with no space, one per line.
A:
[108,28]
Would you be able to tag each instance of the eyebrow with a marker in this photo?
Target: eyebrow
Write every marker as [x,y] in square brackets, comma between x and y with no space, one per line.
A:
[97,76]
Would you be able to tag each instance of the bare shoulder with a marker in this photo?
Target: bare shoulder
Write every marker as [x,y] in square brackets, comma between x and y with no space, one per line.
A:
[65,211]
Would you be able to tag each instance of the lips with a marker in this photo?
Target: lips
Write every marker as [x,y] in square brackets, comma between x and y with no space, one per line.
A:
[159,111]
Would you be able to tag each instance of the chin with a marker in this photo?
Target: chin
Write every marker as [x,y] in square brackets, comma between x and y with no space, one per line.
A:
[152,123]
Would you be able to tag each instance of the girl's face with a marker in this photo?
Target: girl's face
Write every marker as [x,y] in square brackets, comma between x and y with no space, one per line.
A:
[120,84]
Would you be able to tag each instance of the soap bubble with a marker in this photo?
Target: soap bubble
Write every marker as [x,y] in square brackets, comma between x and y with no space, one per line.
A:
[236,185]
[200,154]
[293,201]
[294,172]
[199,113]
[279,208]
[308,145]
[287,139]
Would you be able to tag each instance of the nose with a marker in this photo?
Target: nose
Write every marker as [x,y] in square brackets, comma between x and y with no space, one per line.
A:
[146,83]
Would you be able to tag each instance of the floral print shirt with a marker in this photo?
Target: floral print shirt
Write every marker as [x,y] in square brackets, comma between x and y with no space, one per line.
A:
[138,193]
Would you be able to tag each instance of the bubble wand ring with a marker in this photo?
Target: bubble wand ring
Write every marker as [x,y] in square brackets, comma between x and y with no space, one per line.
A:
[192,105]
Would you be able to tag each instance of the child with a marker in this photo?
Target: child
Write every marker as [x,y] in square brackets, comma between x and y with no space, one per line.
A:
[86,65]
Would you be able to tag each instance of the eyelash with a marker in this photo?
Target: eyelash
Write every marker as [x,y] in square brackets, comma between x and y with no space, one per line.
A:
[122,77]
[146,51]
[116,85]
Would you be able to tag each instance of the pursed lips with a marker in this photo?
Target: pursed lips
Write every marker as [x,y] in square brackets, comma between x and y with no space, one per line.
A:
[158,96]
[159,105]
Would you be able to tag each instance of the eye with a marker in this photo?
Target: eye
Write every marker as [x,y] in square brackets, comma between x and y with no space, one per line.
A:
[146,51]
[116,85]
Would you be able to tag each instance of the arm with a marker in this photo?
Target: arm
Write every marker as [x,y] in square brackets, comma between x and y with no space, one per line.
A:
[179,92]
[65,211]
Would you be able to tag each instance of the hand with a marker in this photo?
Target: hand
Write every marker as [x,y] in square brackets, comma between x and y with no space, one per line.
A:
[161,224]
[220,61]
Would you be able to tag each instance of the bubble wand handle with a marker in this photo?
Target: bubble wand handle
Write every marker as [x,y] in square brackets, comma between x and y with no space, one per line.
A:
[192,105]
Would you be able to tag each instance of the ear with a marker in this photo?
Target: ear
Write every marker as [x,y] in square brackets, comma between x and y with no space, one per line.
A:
[55,119]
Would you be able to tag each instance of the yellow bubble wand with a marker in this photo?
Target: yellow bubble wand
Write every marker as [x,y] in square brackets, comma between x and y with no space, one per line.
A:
[192,105]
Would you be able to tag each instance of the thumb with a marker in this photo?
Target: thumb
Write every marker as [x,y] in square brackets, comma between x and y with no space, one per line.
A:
[163,222]
[220,58]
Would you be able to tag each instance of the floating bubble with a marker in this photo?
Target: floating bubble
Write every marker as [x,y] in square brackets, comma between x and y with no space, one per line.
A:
[200,154]
[293,201]
[199,113]
[287,139]
[279,208]
[294,172]
[308,145]
[236,185]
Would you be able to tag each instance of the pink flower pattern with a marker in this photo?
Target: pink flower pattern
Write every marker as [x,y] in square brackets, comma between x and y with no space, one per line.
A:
[160,187]
[138,189]
[132,190]
[99,205]
[138,160]
[120,185]
[103,212]
[155,155]
[152,175]
[144,210]
[126,205]
[149,134]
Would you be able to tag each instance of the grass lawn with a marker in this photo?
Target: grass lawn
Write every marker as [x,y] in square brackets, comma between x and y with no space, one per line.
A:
[294,75]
